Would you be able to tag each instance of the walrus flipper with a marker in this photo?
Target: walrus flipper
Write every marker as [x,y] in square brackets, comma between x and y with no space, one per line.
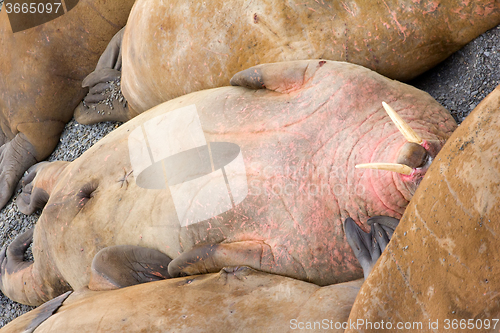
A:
[19,280]
[281,77]
[368,247]
[29,322]
[16,156]
[44,311]
[105,102]
[126,265]
[384,227]
[37,185]
[212,258]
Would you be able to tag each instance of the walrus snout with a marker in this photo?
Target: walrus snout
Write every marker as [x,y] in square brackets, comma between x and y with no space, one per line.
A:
[413,155]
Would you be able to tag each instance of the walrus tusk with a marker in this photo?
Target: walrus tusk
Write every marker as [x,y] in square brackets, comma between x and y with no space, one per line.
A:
[402,126]
[399,168]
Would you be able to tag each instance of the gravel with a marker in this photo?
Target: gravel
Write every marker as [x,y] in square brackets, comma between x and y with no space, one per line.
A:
[465,78]
[459,84]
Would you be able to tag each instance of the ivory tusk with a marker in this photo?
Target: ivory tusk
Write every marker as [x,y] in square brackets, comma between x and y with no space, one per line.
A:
[402,126]
[399,168]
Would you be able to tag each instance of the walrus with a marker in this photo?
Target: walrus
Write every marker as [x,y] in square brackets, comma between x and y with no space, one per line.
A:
[260,174]
[236,298]
[440,268]
[40,86]
[173,48]
[257,295]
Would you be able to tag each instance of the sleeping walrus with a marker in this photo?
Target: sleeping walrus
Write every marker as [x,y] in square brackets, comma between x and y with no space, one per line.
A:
[441,267]
[40,83]
[236,299]
[261,174]
[171,48]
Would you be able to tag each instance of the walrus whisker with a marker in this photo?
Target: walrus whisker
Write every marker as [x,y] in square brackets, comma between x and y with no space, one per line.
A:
[405,129]
[395,167]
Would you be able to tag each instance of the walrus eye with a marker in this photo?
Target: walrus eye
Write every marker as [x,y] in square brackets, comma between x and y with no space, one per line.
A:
[413,155]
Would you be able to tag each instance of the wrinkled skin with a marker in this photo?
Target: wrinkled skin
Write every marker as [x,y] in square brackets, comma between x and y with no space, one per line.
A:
[318,118]
[442,262]
[177,47]
[42,71]
[236,299]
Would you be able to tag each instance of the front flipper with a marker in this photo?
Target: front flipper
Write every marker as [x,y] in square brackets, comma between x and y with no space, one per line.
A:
[105,102]
[212,258]
[37,185]
[126,265]
[16,156]
[368,247]
[283,77]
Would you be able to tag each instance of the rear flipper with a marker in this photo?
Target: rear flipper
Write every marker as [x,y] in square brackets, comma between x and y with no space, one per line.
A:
[105,101]
[28,322]
[19,280]
[16,156]
[368,247]
[213,257]
[126,265]
[37,185]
